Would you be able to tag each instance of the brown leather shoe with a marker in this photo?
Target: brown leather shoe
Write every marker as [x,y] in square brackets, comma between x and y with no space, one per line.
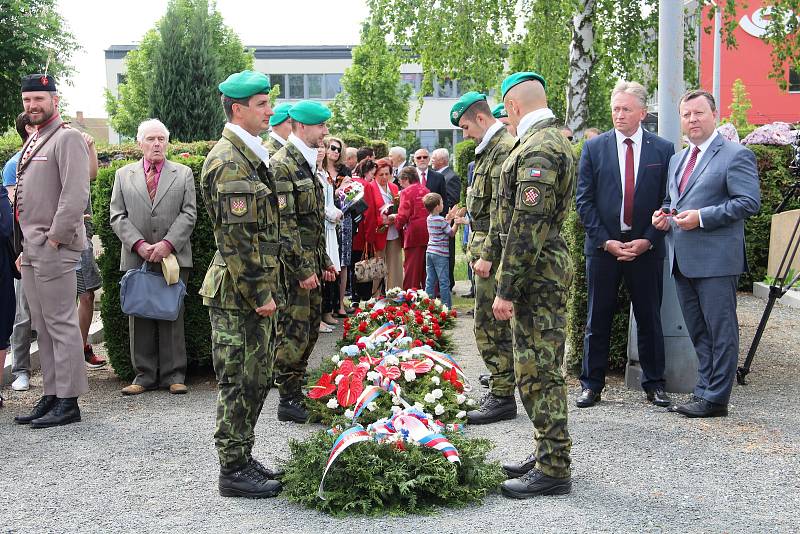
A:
[178,389]
[133,389]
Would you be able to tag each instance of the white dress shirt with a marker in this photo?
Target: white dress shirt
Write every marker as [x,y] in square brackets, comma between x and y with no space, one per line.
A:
[493,129]
[277,137]
[622,150]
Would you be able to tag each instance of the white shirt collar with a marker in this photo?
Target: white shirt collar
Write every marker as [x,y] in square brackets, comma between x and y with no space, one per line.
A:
[493,129]
[636,137]
[532,118]
[704,146]
[252,142]
[309,153]
[277,137]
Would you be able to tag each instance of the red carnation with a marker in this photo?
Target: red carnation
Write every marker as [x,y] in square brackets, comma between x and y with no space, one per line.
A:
[417,343]
[362,326]
[443,315]
[425,329]
[361,345]
[419,320]
[454,313]
[429,342]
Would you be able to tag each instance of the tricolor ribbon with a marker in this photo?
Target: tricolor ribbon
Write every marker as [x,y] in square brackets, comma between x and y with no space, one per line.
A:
[445,360]
[354,434]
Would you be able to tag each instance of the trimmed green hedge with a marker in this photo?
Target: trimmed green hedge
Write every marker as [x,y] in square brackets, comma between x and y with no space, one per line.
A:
[197,327]
[773,162]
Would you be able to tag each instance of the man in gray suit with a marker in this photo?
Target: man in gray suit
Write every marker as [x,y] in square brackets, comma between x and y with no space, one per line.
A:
[153,211]
[712,187]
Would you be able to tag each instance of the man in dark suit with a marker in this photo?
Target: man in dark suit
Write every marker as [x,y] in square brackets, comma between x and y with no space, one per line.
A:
[621,180]
[712,188]
[429,178]
[440,161]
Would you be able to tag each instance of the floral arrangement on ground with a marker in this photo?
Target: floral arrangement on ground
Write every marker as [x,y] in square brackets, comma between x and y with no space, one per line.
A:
[396,394]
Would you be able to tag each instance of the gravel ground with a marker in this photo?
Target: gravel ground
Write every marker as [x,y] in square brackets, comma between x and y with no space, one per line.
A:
[148,464]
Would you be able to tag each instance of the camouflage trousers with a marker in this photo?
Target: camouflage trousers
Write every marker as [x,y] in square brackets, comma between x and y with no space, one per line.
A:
[539,337]
[243,352]
[493,337]
[298,330]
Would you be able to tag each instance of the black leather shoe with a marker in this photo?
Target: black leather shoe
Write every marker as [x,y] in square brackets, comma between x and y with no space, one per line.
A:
[293,409]
[535,483]
[64,412]
[517,469]
[484,380]
[44,405]
[248,482]
[703,408]
[659,397]
[587,399]
[470,295]
[493,409]
[272,474]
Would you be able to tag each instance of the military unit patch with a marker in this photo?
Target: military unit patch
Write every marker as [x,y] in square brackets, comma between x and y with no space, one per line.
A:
[238,206]
[531,196]
[536,173]
[281,201]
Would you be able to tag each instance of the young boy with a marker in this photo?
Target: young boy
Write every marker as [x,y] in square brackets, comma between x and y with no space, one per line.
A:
[437,262]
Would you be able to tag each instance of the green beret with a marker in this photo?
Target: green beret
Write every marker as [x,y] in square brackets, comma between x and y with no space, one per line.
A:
[460,107]
[499,111]
[281,114]
[245,84]
[519,77]
[310,112]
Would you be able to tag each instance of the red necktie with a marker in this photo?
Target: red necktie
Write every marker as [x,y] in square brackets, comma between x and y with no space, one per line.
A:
[423,179]
[687,172]
[150,180]
[627,214]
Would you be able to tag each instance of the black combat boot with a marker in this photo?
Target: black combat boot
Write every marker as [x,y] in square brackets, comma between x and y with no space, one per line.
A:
[493,409]
[41,408]
[247,481]
[517,469]
[272,474]
[535,483]
[292,408]
[64,412]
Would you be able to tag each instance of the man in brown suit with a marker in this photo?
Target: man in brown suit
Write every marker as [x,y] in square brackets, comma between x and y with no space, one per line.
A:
[153,211]
[52,192]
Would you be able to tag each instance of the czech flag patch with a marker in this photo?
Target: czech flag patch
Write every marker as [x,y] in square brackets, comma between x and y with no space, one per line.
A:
[536,173]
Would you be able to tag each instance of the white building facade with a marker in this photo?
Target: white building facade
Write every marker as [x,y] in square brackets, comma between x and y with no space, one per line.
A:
[315,72]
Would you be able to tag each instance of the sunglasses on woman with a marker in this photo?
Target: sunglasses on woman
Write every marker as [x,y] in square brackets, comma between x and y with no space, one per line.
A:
[335,148]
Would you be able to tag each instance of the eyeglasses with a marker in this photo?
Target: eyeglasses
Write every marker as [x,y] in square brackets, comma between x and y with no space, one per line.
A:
[421,157]
[335,148]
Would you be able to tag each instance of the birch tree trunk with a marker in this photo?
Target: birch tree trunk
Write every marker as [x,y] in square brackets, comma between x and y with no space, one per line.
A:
[581,60]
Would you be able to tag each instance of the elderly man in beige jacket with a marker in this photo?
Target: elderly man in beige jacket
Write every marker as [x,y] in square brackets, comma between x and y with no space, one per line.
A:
[52,192]
[153,211]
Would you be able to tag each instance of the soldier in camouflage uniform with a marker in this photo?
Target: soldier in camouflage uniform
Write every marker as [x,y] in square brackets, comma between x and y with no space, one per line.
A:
[301,200]
[243,282]
[537,185]
[280,126]
[472,114]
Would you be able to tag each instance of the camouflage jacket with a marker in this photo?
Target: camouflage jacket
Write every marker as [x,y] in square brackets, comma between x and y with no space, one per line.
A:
[301,200]
[272,145]
[536,190]
[240,198]
[482,194]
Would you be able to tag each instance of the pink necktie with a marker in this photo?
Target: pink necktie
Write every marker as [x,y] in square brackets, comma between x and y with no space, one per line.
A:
[150,180]
[687,172]
[423,179]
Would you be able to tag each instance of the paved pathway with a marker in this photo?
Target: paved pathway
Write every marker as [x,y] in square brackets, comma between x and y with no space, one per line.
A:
[147,464]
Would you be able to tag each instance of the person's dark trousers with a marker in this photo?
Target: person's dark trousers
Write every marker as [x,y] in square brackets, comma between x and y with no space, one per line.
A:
[452,262]
[330,296]
[643,279]
[709,311]
[361,290]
